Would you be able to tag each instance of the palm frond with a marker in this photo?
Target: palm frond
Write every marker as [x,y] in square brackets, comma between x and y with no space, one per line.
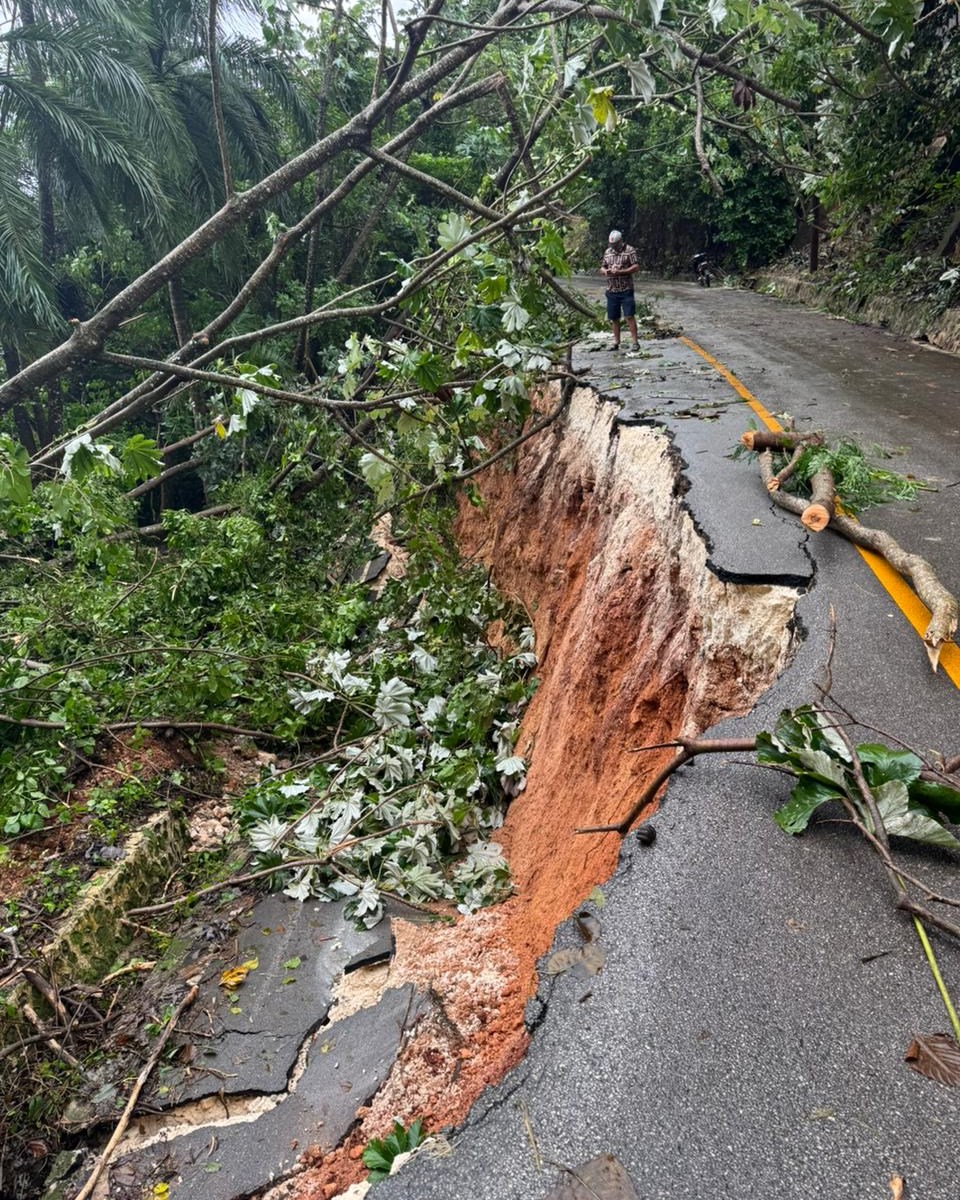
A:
[26,285]
[124,18]
[67,126]
[253,63]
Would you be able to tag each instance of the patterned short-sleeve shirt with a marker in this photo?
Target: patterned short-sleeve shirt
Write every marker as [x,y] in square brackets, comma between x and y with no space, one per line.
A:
[615,258]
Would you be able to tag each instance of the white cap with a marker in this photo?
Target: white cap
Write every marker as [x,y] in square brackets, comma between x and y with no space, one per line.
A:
[615,236]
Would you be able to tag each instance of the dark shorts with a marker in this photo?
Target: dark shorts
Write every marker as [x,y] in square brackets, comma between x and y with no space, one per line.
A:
[620,303]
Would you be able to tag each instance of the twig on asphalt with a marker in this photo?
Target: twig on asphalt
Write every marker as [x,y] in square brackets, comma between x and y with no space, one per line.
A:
[87,1189]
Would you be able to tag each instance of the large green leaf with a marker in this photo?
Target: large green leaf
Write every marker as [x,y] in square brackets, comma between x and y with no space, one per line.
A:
[882,764]
[938,796]
[769,751]
[803,727]
[141,459]
[805,799]
[822,765]
[902,820]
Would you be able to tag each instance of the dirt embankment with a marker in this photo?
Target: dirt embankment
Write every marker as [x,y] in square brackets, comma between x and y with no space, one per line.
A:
[638,642]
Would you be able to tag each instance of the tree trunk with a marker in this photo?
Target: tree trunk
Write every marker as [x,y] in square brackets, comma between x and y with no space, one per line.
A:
[766,439]
[815,231]
[322,184]
[48,226]
[943,606]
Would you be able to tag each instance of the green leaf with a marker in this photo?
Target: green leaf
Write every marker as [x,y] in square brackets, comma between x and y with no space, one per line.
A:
[141,459]
[938,796]
[452,230]
[515,316]
[490,289]
[807,726]
[374,1157]
[551,249]
[806,797]
[915,823]
[642,81]
[15,484]
[378,476]
[429,371]
[821,765]
[883,764]
[292,963]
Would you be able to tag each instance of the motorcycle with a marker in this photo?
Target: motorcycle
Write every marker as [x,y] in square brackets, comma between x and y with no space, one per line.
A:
[705,270]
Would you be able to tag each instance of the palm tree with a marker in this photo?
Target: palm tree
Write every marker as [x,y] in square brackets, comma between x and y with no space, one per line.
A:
[107,121]
[71,153]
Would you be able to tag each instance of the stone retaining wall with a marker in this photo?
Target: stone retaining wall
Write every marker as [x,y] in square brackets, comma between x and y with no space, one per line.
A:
[910,320]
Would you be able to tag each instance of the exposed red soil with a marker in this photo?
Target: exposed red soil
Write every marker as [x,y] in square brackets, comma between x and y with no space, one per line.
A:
[617,643]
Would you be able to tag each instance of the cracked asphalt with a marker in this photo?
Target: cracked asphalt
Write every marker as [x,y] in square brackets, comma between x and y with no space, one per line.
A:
[746,1035]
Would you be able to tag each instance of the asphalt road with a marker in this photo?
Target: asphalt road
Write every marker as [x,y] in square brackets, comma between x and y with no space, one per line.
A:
[743,1040]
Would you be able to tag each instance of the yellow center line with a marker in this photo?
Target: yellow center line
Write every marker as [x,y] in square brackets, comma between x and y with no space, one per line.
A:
[899,591]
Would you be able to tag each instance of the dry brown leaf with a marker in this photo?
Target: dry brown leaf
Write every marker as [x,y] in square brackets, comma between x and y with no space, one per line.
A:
[562,961]
[592,958]
[603,1178]
[232,977]
[936,1056]
[896,1187]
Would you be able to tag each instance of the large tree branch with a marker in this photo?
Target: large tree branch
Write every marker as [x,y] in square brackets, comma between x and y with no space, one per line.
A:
[943,606]
[158,386]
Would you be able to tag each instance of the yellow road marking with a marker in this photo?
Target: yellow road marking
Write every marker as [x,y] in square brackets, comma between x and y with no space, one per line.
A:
[899,591]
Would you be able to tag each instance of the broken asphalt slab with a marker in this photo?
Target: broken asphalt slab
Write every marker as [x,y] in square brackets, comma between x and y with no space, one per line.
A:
[246,1038]
[748,541]
[346,1065]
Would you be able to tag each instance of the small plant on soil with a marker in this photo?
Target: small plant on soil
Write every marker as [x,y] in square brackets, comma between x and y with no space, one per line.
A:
[380,1153]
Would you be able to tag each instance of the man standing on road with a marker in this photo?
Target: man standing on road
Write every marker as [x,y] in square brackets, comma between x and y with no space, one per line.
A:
[618,266]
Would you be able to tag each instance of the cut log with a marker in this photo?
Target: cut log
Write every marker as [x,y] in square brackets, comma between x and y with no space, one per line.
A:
[818,513]
[943,605]
[767,439]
